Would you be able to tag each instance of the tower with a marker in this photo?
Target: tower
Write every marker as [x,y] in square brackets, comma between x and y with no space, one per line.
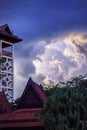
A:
[7,41]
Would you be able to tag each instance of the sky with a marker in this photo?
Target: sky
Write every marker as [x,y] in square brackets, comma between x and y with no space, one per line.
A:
[54,33]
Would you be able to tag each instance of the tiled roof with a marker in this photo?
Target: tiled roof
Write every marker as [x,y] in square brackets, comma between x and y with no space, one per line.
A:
[5,33]
[25,117]
[4,104]
[41,92]
[20,118]
[38,90]
[3,27]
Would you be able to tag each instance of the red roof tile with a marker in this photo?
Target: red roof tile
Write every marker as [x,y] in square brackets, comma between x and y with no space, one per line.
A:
[4,104]
[2,28]
[41,92]
[20,118]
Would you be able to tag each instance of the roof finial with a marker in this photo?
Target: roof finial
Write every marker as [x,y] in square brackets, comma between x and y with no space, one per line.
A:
[30,79]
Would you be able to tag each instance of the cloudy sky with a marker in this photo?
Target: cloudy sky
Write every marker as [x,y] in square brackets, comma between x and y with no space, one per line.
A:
[54,46]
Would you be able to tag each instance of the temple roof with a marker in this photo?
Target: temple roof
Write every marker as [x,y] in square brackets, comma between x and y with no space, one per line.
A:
[20,118]
[26,116]
[38,90]
[4,104]
[5,29]
[6,34]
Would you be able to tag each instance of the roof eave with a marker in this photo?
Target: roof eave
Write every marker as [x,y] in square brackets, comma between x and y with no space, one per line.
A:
[14,38]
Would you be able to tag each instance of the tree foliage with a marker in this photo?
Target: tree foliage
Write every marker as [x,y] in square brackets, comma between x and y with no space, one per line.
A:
[66,108]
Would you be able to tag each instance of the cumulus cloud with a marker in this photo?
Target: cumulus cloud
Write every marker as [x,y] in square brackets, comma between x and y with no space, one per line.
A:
[23,69]
[49,62]
[55,39]
[61,60]
[24,66]
[81,48]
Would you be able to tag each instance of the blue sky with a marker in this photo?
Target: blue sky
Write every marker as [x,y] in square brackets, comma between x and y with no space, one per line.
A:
[54,46]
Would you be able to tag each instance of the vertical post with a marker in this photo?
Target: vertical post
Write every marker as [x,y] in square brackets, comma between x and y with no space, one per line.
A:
[0,66]
[13,71]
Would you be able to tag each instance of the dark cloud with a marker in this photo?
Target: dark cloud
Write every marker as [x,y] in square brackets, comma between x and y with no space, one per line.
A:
[60,77]
[40,78]
[39,59]
[37,20]
[46,18]
[85,36]
[32,50]
[29,53]
[27,69]
[81,48]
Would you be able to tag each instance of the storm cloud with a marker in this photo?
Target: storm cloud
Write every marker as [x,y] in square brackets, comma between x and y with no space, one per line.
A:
[81,48]
[43,19]
[54,33]
[50,62]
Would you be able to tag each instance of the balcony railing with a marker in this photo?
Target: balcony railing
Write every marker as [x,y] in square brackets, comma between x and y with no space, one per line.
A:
[5,53]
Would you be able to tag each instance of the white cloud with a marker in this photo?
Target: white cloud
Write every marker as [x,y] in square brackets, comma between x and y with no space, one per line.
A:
[50,62]
[61,60]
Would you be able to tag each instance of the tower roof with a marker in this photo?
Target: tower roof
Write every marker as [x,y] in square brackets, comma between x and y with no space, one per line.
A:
[6,34]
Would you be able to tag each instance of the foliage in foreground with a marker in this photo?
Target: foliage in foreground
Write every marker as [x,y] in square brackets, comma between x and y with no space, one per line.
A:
[66,108]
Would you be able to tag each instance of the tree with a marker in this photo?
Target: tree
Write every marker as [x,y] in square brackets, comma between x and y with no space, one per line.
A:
[66,108]
[15,103]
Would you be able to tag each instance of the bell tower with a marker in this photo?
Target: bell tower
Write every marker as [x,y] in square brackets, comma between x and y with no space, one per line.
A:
[7,41]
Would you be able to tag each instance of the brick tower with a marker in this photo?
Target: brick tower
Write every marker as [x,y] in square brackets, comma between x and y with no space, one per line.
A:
[7,41]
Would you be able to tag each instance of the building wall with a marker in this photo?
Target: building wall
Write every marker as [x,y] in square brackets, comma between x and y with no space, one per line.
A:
[7,72]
